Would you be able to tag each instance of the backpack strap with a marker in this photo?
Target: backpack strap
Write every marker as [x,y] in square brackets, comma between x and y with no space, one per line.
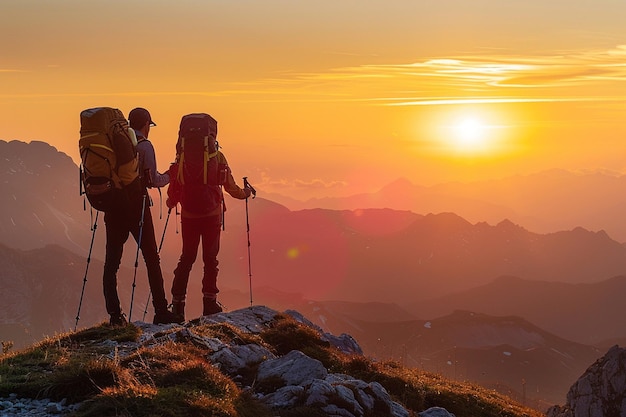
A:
[98,145]
[207,156]
[181,161]
[118,125]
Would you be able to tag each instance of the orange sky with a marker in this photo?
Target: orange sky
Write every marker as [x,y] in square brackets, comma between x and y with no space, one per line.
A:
[321,97]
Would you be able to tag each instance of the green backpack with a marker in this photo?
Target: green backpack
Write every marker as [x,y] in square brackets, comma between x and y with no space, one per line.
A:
[108,153]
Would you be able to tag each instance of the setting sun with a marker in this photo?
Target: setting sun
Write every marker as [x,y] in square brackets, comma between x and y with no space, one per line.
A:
[470,134]
[467,134]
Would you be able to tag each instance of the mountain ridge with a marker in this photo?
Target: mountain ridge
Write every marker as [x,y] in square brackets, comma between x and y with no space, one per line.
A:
[581,319]
[545,202]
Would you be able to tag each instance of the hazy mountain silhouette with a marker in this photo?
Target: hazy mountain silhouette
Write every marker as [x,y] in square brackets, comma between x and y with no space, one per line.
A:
[41,291]
[590,313]
[381,255]
[390,256]
[402,194]
[544,202]
[41,198]
[495,350]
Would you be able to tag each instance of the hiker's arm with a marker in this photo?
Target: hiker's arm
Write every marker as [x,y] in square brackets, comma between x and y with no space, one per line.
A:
[231,186]
[174,189]
[157,180]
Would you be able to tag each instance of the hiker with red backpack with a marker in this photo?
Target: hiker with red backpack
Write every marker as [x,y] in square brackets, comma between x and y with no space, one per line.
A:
[196,181]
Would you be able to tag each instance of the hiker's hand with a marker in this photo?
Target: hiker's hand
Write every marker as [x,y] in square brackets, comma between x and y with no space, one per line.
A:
[172,168]
[169,203]
[249,190]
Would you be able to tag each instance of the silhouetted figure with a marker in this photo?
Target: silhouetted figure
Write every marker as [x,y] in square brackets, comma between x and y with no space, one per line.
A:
[136,219]
[197,178]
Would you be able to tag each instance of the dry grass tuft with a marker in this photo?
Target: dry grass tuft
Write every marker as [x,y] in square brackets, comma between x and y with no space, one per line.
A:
[176,379]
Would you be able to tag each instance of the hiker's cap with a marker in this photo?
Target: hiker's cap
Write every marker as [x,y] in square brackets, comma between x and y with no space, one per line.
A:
[138,117]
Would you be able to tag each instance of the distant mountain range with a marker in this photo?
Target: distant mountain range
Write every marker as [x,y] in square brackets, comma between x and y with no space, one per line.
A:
[41,202]
[41,291]
[390,256]
[586,313]
[544,202]
[352,255]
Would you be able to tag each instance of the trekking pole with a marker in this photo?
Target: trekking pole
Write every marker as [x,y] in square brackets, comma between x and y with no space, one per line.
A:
[177,214]
[223,204]
[167,219]
[132,294]
[82,293]
[161,206]
[81,191]
[247,185]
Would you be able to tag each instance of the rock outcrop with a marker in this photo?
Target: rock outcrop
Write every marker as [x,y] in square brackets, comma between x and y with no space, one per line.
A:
[600,391]
[304,381]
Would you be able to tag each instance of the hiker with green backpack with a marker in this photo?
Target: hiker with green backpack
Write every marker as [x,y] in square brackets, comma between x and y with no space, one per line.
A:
[196,181]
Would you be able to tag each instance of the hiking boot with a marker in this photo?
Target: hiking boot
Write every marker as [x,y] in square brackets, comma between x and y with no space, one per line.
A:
[118,319]
[210,307]
[178,308]
[166,317]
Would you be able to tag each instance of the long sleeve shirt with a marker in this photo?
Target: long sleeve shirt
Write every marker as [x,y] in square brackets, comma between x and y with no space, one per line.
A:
[147,163]
[231,186]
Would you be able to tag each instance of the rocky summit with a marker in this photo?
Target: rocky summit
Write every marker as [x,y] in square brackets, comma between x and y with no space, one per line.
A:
[252,361]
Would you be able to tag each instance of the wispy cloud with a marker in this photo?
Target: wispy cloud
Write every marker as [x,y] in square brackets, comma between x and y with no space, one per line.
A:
[492,100]
[285,184]
[565,76]
[317,184]
[492,76]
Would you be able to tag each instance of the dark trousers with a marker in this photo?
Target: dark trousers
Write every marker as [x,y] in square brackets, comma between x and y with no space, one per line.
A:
[193,230]
[119,224]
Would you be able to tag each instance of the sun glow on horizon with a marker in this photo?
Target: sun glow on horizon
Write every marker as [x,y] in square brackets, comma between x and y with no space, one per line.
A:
[470,133]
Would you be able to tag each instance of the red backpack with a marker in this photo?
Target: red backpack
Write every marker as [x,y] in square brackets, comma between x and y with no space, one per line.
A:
[197,177]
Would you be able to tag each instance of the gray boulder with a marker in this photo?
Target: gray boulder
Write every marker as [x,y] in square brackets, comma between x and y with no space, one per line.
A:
[436,412]
[600,391]
[295,368]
